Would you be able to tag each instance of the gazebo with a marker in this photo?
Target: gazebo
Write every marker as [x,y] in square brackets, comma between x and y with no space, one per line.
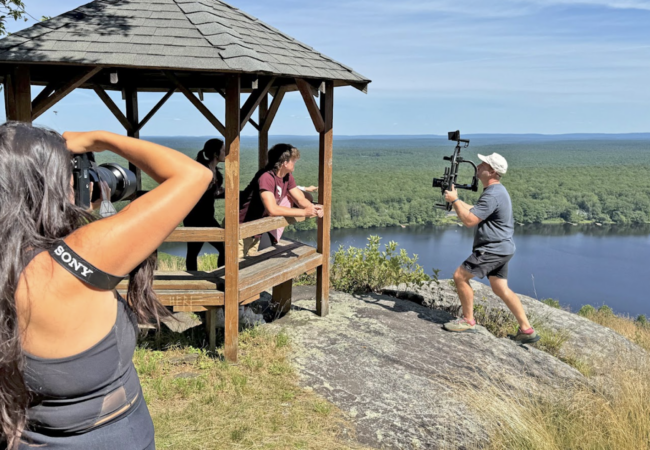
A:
[194,47]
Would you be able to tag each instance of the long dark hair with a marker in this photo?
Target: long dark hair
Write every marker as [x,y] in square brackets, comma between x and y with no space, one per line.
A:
[279,154]
[209,158]
[35,212]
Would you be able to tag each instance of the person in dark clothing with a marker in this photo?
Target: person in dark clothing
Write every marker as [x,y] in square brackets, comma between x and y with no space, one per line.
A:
[202,215]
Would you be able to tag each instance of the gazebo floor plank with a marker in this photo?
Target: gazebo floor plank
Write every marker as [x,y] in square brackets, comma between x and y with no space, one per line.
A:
[194,291]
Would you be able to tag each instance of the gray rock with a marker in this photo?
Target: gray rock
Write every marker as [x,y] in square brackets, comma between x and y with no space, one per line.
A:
[185,359]
[598,345]
[182,321]
[391,367]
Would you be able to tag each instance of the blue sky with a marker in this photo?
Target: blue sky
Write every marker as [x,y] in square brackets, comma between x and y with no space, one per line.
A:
[482,66]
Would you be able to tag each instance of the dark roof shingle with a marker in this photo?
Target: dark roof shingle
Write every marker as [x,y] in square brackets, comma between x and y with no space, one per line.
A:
[174,34]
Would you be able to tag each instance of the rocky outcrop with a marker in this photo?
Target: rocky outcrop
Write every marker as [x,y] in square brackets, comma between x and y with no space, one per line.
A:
[586,340]
[405,382]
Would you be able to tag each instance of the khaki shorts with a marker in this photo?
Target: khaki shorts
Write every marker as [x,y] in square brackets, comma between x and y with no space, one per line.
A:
[248,246]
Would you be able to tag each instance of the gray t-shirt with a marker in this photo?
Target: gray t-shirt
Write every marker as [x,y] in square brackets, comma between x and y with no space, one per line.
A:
[494,232]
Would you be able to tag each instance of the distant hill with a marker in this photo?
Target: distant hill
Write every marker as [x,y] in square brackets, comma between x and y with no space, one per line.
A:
[476,139]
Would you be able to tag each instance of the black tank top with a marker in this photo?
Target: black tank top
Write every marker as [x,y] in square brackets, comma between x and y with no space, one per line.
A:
[96,387]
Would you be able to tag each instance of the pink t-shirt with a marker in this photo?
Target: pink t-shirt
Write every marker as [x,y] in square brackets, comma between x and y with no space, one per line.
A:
[252,207]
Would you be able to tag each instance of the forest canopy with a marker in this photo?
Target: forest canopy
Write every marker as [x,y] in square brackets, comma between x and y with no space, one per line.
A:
[387,181]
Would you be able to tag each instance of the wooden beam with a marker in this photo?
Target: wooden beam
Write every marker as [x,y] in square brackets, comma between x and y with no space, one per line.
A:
[266,224]
[211,328]
[325,199]
[18,94]
[282,297]
[312,106]
[233,122]
[197,103]
[196,234]
[155,109]
[254,101]
[46,92]
[187,298]
[263,136]
[286,273]
[251,121]
[132,115]
[63,91]
[273,109]
[110,104]
[202,308]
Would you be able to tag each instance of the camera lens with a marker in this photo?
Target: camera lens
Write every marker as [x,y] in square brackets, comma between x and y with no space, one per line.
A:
[122,182]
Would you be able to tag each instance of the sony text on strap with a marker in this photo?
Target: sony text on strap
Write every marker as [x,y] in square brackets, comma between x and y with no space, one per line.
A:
[82,269]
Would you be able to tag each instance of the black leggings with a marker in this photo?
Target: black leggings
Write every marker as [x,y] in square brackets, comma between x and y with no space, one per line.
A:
[194,248]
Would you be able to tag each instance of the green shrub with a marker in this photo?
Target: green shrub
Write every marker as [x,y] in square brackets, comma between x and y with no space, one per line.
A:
[551,341]
[552,303]
[587,311]
[605,310]
[497,321]
[368,269]
[642,320]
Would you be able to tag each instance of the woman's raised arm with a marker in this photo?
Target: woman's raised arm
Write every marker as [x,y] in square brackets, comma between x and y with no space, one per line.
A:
[119,243]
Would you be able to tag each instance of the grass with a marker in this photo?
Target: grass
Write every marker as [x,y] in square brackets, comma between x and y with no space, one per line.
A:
[501,323]
[614,414]
[256,403]
[637,331]
[206,262]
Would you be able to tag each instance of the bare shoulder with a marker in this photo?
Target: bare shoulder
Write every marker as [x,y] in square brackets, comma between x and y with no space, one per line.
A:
[58,314]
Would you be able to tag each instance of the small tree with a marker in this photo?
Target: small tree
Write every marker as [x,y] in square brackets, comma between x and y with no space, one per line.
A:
[14,9]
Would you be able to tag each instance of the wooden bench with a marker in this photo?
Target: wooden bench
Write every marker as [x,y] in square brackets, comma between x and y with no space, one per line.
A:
[272,268]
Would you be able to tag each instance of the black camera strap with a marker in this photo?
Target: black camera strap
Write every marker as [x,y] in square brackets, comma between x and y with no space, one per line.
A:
[82,269]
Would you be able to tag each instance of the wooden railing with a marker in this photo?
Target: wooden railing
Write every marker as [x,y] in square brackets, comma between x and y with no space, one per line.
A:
[248,229]
[192,234]
[260,226]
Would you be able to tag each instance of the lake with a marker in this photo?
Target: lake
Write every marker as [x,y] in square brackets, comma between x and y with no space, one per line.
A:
[576,265]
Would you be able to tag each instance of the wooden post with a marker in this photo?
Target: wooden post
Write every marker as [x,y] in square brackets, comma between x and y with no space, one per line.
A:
[233,94]
[211,327]
[131,94]
[18,94]
[282,296]
[325,199]
[263,147]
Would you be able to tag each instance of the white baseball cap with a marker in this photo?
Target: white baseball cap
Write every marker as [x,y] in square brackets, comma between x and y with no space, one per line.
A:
[496,161]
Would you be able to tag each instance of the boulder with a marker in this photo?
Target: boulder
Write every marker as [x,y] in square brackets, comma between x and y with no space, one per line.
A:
[403,380]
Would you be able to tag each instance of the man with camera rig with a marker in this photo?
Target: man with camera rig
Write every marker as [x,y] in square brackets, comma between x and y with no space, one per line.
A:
[492,250]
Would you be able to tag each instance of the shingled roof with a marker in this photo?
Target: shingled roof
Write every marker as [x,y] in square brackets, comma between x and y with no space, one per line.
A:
[198,35]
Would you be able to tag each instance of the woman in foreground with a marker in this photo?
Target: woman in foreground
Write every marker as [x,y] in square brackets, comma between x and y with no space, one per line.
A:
[67,379]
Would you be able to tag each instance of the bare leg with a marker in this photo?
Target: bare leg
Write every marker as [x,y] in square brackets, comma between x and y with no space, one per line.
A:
[500,288]
[465,292]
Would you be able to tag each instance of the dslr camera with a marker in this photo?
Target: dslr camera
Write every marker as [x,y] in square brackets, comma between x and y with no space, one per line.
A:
[122,182]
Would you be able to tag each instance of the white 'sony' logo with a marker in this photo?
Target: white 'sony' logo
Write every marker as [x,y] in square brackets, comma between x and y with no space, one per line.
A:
[72,262]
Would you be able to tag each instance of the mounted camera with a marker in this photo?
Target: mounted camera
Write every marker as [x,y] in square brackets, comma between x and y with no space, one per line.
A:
[122,182]
[451,173]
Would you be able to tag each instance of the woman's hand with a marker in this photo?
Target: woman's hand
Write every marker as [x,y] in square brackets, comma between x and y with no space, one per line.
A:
[311,188]
[84,142]
[106,194]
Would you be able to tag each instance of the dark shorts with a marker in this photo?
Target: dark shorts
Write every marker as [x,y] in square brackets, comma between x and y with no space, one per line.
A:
[481,264]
